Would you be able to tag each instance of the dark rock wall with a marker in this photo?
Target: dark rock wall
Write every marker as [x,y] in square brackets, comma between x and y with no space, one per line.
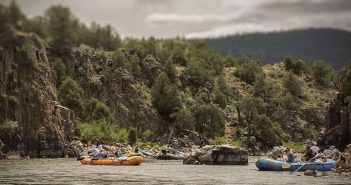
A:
[28,98]
[339,122]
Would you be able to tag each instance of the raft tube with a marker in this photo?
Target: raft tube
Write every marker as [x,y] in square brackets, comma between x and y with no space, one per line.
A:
[267,164]
[130,161]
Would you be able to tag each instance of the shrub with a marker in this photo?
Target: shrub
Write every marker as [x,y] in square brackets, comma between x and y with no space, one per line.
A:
[220,99]
[147,134]
[60,70]
[292,84]
[95,81]
[209,120]
[98,129]
[70,95]
[122,135]
[322,72]
[248,71]
[268,131]
[220,140]
[344,81]
[96,110]
[288,102]
[196,74]
[297,67]
[297,147]
[237,143]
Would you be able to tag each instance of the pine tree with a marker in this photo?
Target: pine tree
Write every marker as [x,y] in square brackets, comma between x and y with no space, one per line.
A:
[165,96]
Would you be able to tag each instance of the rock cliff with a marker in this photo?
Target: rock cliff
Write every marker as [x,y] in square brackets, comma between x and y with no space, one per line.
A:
[339,122]
[31,119]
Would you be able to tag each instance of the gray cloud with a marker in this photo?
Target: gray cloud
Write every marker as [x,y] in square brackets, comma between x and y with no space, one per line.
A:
[202,18]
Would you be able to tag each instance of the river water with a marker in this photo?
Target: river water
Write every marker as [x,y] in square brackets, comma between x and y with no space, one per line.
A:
[70,171]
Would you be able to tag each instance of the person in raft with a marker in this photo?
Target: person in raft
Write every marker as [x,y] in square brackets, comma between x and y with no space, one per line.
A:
[311,152]
[290,154]
[95,153]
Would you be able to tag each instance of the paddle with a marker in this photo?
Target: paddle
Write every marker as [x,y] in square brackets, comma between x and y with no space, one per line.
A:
[304,164]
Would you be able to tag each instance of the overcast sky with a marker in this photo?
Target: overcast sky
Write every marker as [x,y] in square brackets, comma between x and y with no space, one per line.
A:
[202,18]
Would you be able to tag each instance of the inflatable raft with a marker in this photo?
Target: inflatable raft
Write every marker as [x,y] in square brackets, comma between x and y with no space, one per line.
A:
[267,164]
[130,161]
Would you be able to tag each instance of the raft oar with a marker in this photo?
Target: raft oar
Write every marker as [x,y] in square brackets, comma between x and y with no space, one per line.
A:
[304,165]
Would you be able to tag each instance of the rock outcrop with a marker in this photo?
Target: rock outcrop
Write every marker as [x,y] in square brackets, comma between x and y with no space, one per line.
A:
[338,122]
[31,119]
[219,155]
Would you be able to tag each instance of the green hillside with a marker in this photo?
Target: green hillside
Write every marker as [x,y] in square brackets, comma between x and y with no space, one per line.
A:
[331,45]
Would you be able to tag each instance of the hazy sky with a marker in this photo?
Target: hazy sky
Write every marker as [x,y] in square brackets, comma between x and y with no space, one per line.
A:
[202,18]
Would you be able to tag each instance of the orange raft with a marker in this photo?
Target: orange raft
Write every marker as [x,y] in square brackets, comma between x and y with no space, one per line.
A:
[130,161]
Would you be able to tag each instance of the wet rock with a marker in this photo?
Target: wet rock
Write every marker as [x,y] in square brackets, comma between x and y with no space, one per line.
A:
[191,160]
[310,173]
[220,155]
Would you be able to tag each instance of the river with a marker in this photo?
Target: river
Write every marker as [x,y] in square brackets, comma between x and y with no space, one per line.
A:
[70,171]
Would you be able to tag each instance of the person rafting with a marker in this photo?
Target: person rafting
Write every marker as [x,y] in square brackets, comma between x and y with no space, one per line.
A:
[311,152]
[290,154]
[96,152]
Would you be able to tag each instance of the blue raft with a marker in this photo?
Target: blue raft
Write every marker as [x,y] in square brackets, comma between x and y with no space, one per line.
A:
[267,164]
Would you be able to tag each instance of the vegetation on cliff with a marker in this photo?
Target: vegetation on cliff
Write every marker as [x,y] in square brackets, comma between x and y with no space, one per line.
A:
[153,89]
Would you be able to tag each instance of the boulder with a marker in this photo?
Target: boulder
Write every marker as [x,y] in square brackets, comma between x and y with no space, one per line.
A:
[191,160]
[219,155]
[310,173]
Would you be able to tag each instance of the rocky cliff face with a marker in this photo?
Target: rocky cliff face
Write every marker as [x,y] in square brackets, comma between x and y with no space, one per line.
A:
[339,122]
[28,101]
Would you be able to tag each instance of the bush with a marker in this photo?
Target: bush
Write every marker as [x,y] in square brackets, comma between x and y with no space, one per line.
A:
[60,70]
[288,102]
[237,143]
[184,120]
[292,84]
[196,74]
[147,134]
[95,81]
[70,95]
[322,73]
[344,79]
[209,120]
[248,71]
[96,110]
[98,129]
[220,99]
[297,147]
[297,67]
[122,135]
[220,140]
[267,131]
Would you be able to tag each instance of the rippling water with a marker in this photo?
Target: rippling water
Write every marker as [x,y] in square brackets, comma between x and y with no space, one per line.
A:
[70,171]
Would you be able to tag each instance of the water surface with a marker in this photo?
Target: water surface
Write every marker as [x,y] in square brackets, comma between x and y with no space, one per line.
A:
[70,171]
